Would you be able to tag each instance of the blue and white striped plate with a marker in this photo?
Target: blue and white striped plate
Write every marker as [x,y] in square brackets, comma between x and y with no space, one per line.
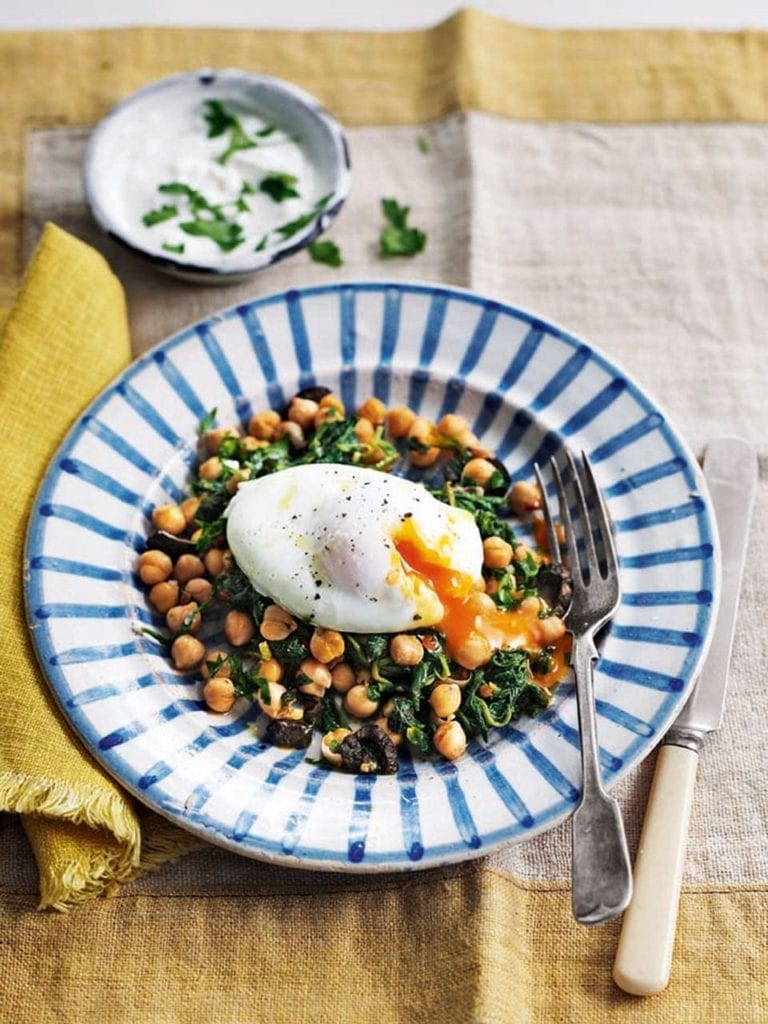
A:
[528,388]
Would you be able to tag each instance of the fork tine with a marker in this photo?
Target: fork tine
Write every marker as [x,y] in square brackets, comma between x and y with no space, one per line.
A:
[565,519]
[587,525]
[553,543]
[603,519]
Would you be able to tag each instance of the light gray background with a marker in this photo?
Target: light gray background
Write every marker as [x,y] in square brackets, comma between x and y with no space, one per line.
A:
[382,14]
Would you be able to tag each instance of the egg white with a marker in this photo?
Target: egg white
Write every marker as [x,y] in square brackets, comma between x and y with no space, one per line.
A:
[318,540]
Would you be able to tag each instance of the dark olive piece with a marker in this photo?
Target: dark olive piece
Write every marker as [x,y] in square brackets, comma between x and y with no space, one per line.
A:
[314,393]
[289,733]
[160,540]
[313,707]
[369,751]
[553,582]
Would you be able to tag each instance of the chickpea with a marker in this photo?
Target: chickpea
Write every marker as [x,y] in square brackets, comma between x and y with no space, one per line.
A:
[450,740]
[531,606]
[325,413]
[183,616]
[154,567]
[303,412]
[271,670]
[342,677]
[214,438]
[188,567]
[524,497]
[198,589]
[473,652]
[318,676]
[521,552]
[219,659]
[263,426]
[491,585]
[169,518]
[373,409]
[364,430]
[239,628]
[210,469]
[358,703]
[497,553]
[445,699]
[329,746]
[326,645]
[293,432]
[332,401]
[163,596]
[482,603]
[189,507]
[186,652]
[276,707]
[453,426]
[277,623]
[217,560]
[238,477]
[405,649]
[252,444]
[399,421]
[479,471]
[422,430]
[219,694]
[549,631]
[425,459]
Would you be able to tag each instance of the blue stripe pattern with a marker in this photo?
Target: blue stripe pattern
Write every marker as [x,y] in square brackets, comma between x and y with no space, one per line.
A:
[180,385]
[300,339]
[148,413]
[226,373]
[261,349]
[455,387]
[390,328]
[120,446]
[347,318]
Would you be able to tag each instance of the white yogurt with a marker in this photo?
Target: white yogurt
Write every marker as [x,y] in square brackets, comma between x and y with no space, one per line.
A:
[161,137]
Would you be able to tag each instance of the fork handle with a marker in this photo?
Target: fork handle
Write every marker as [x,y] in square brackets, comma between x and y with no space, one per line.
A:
[644,954]
[601,871]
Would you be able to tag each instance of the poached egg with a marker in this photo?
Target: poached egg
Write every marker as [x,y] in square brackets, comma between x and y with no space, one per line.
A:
[354,549]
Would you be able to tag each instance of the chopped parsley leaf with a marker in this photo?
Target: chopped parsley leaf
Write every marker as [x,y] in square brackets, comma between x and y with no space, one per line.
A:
[280,186]
[398,238]
[164,212]
[169,247]
[221,120]
[226,234]
[326,252]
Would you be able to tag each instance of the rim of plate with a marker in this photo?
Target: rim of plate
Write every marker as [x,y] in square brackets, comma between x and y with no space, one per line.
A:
[466,843]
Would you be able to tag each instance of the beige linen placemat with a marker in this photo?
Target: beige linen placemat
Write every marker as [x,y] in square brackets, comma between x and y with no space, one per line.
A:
[649,239]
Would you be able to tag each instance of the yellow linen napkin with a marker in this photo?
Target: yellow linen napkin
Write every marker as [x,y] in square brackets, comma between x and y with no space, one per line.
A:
[65,338]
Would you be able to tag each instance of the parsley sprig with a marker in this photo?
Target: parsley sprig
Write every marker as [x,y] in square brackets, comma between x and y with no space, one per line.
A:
[398,238]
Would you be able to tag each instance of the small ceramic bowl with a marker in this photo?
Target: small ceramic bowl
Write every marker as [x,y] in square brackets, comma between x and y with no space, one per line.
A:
[214,175]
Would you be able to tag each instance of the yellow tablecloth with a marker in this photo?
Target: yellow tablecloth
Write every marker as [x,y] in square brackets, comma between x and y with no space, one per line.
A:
[210,939]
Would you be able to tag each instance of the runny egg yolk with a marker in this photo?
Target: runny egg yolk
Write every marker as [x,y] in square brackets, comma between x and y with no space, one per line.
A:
[469,611]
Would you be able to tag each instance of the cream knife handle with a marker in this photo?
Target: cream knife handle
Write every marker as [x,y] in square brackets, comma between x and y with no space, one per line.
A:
[644,954]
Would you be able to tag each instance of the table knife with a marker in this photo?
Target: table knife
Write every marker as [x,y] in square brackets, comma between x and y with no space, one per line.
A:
[644,954]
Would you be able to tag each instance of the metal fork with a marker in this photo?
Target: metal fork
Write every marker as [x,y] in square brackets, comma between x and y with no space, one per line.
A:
[601,870]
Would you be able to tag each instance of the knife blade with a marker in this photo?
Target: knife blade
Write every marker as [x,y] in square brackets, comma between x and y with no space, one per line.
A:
[644,953]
